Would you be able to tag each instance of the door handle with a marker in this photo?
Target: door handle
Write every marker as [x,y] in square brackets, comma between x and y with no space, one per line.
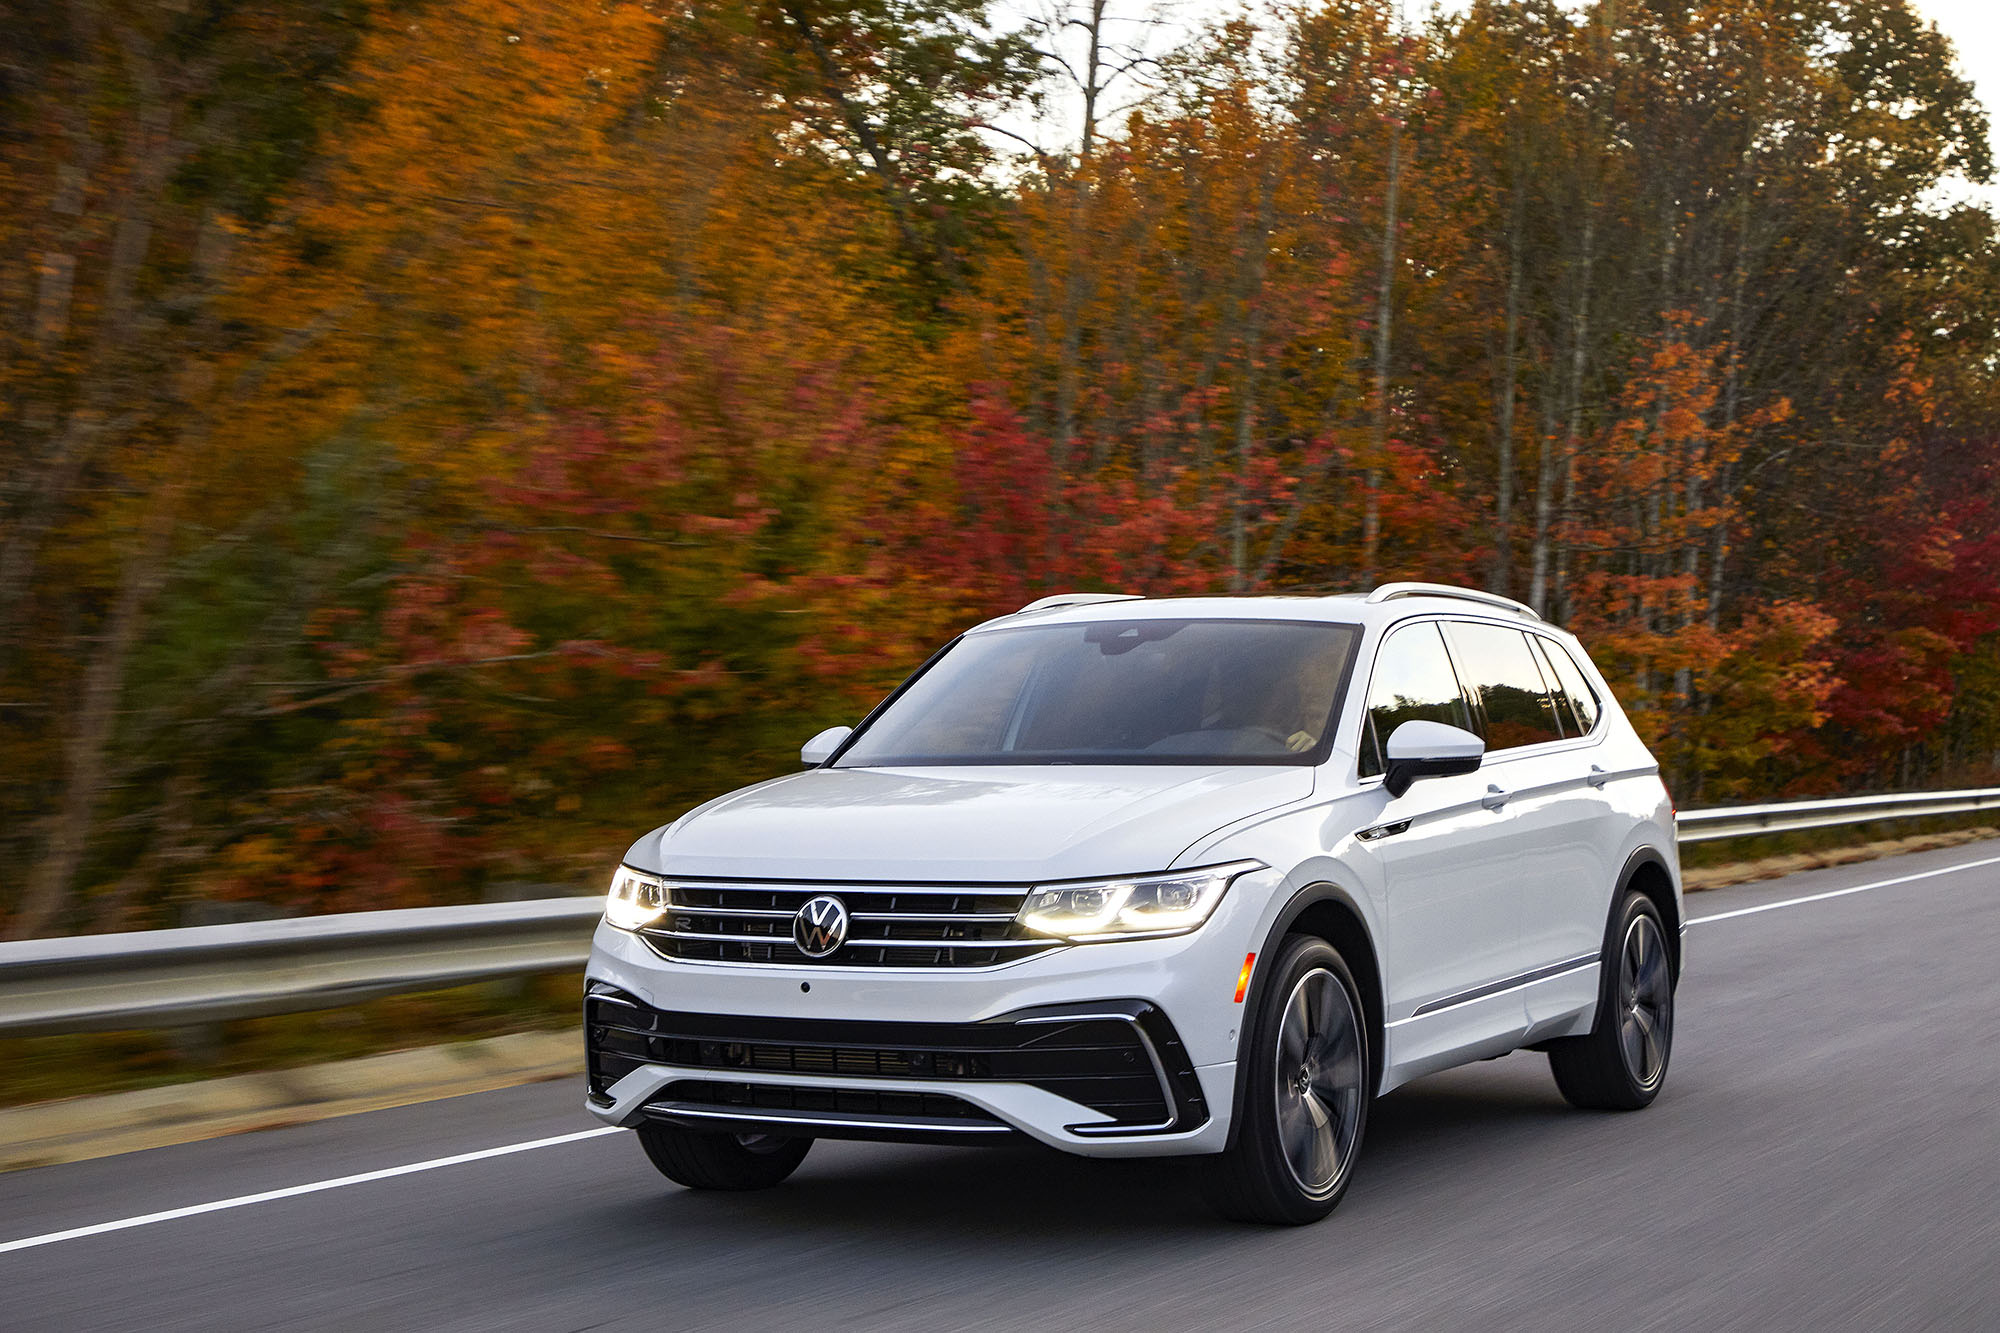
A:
[1494,797]
[1597,777]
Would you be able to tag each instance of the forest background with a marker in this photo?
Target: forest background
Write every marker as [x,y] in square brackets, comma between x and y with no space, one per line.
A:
[445,438]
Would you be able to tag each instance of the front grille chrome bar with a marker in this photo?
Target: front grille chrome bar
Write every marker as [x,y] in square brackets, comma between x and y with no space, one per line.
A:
[656,932]
[953,917]
[894,925]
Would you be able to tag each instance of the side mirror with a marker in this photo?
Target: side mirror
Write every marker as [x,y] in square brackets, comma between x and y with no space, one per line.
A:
[1429,750]
[821,747]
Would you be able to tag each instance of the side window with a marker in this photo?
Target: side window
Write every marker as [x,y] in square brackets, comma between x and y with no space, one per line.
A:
[1413,680]
[1500,672]
[1574,684]
[1565,710]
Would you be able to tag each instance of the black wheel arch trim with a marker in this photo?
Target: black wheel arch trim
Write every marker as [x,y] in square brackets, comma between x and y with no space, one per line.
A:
[1675,928]
[1260,983]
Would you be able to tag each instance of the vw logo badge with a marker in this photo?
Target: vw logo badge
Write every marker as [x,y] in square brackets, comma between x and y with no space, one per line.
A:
[820,927]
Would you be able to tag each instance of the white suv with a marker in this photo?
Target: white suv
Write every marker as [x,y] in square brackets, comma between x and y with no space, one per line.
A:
[1132,877]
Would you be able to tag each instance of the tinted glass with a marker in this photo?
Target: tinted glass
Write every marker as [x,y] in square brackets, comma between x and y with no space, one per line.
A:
[1501,673]
[1565,711]
[1412,681]
[1120,692]
[1574,684]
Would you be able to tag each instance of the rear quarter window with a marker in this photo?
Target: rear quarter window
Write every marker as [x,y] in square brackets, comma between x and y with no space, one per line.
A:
[1573,685]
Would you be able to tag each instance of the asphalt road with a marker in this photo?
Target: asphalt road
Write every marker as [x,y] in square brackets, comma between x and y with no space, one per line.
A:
[1826,1155]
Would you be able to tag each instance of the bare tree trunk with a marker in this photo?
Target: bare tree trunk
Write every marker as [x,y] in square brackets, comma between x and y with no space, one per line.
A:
[1371,482]
[1732,392]
[1545,565]
[46,896]
[1559,593]
[1250,299]
[158,154]
[1239,541]
[1069,370]
[1502,578]
[48,893]
[874,152]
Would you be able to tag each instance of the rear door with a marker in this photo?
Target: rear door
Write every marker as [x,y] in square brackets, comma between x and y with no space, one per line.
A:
[1565,915]
[1538,777]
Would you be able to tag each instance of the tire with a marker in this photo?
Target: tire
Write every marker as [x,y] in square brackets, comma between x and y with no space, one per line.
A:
[1622,1064]
[1305,1098]
[709,1161]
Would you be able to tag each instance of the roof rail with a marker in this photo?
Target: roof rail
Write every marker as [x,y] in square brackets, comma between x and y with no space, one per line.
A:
[1389,592]
[1077,599]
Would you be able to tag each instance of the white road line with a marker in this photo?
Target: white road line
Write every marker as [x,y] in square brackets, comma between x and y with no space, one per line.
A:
[1842,893]
[293,1191]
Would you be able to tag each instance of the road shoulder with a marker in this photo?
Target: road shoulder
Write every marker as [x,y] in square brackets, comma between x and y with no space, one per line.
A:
[78,1128]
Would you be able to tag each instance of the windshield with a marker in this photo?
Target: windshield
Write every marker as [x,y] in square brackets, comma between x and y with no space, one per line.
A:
[1120,692]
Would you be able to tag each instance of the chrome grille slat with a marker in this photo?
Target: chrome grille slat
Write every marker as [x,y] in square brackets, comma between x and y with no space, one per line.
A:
[954,944]
[952,917]
[896,925]
[865,943]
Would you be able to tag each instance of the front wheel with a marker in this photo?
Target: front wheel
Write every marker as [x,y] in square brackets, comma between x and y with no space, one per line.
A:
[708,1161]
[1305,1094]
[1622,1063]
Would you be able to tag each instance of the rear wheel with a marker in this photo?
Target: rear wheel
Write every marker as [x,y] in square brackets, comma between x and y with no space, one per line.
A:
[708,1161]
[1305,1094]
[1622,1063]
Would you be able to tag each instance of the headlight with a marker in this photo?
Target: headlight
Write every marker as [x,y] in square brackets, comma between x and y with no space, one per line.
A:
[636,899]
[1116,909]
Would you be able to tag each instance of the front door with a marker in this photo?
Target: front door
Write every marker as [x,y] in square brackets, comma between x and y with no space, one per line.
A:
[1450,869]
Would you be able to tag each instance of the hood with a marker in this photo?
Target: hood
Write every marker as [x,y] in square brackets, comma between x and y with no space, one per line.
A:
[1003,824]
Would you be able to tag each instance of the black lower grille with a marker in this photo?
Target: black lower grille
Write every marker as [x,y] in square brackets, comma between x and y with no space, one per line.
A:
[1121,1059]
[837,1101]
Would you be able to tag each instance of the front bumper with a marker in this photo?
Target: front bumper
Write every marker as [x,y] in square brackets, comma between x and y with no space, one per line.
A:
[1112,1070]
[825,1049]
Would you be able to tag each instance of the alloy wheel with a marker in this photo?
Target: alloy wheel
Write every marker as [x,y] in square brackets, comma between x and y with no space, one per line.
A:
[1320,1081]
[1645,1002]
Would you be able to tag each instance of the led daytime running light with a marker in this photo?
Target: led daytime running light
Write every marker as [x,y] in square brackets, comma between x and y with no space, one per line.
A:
[636,899]
[1129,908]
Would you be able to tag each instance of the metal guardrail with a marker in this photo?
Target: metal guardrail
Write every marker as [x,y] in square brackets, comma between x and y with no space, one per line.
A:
[1742,821]
[205,974]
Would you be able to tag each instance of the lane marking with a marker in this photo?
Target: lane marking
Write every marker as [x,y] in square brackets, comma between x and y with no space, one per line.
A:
[1842,893]
[389,1173]
[293,1191]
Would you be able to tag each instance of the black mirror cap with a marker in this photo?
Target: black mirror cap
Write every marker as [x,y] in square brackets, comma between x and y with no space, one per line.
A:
[1400,773]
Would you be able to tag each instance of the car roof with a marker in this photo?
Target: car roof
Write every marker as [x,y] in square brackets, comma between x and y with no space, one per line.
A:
[1387,603]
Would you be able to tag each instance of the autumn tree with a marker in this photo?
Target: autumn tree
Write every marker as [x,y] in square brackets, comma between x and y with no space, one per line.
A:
[444,440]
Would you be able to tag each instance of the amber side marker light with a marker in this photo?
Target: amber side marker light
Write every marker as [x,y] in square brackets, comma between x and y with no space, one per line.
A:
[1243,977]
